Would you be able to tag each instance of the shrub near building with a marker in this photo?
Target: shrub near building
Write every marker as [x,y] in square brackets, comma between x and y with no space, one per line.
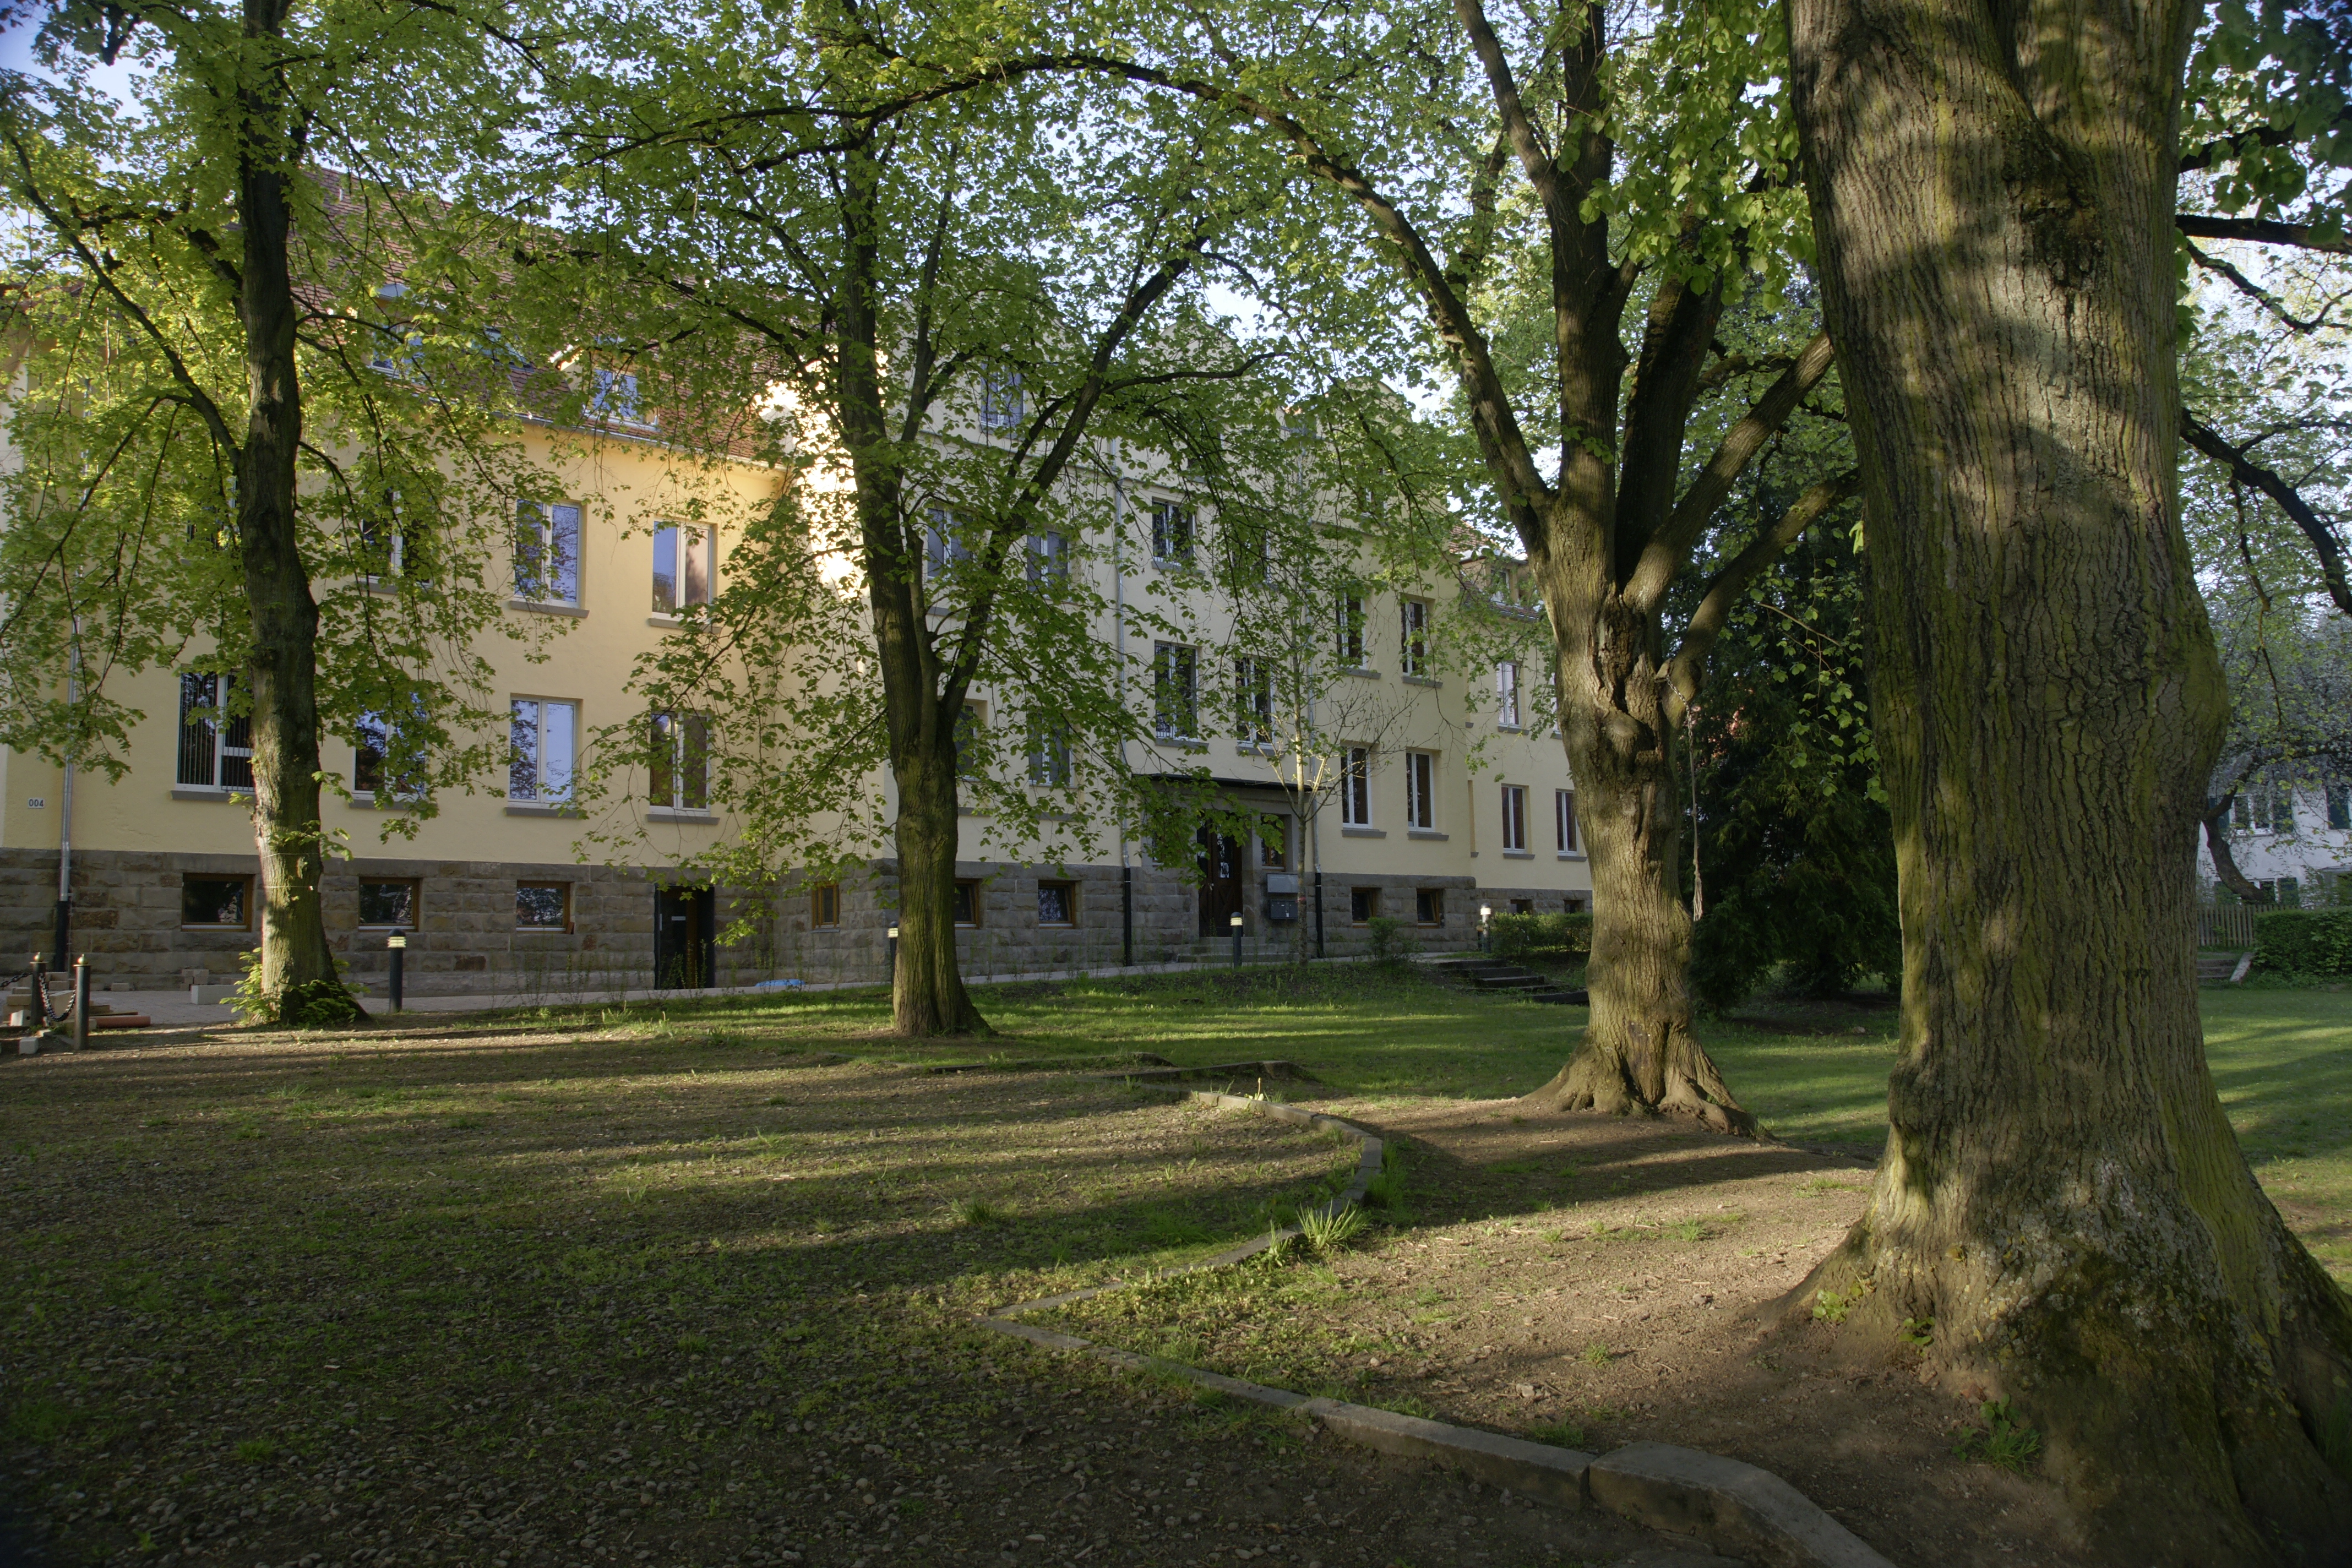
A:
[2305,941]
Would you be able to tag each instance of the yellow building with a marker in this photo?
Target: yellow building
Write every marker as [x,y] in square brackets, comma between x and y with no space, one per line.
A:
[1440,803]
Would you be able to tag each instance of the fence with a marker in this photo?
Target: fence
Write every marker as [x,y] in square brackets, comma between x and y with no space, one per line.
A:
[2225,926]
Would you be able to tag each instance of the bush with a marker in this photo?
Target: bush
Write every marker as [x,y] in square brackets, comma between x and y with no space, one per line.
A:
[1540,936]
[1392,944]
[2303,942]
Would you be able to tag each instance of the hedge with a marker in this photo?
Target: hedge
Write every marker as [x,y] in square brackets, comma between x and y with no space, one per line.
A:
[2303,942]
[1540,936]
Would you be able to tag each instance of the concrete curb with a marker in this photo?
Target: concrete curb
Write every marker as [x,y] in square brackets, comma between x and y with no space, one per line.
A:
[1735,1507]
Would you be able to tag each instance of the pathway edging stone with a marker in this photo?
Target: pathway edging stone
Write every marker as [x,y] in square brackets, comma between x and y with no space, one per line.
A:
[1735,1507]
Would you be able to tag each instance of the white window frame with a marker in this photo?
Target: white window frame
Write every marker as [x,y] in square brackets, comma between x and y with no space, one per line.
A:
[1165,533]
[220,732]
[616,400]
[1356,786]
[1049,755]
[1001,401]
[380,728]
[1563,810]
[1515,819]
[1412,618]
[690,546]
[1167,657]
[1421,791]
[1506,694]
[547,521]
[1351,631]
[541,790]
[1049,557]
[1254,703]
[678,732]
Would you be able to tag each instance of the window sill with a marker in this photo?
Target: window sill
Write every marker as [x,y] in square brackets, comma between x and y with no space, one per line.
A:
[533,808]
[1572,855]
[543,930]
[1512,729]
[197,792]
[365,801]
[672,622]
[1518,854]
[224,930]
[680,814]
[546,607]
[1177,743]
[1266,749]
[1363,832]
[1362,674]
[1429,833]
[1430,681]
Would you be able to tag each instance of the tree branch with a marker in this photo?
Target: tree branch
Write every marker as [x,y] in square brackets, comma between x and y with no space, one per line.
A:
[2258,230]
[1663,555]
[2255,291]
[1682,673]
[2246,471]
[1535,157]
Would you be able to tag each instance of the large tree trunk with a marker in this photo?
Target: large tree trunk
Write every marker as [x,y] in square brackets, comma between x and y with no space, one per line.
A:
[927,990]
[1993,192]
[297,966]
[1638,1053]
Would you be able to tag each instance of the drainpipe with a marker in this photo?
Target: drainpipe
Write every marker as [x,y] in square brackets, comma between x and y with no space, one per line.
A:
[1119,637]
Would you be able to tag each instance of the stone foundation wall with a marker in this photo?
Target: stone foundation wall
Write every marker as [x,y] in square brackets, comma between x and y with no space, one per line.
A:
[127,917]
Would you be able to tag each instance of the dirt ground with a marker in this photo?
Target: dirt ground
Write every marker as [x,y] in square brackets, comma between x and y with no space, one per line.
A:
[535,1299]
[1593,1281]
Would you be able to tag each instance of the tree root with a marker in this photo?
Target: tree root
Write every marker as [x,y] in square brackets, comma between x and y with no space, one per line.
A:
[1601,1080]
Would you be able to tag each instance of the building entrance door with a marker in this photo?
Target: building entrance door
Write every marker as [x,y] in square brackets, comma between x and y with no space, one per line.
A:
[685,938]
[1221,881]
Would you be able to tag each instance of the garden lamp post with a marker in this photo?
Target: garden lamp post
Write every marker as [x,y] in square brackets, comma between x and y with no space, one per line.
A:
[396,944]
[82,1003]
[1236,922]
[893,934]
[1485,914]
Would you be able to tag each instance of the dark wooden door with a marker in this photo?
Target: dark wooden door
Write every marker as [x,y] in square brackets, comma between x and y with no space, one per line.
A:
[685,938]
[1221,881]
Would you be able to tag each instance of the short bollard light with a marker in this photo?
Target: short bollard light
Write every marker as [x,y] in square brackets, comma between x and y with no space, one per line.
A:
[1236,922]
[396,944]
[894,950]
[1485,914]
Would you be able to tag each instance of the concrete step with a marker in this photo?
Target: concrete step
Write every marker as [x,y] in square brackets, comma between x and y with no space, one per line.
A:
[1508,980]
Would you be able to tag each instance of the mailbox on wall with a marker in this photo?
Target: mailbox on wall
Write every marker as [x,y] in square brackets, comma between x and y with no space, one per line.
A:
[1281,897]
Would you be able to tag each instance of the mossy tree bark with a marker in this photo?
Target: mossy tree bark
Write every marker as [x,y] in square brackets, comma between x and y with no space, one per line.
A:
[932,639]
[921,698]
[1611,535]
[1993,192]
[297,966]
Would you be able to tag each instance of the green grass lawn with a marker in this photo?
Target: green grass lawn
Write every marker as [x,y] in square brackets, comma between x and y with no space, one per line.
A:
[2281,1057]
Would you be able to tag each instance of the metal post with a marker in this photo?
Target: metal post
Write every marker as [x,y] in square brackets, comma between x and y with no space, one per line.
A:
[1318,914]
[1485,914]
[894,955]
[1236,922]
[40,994]
[1127,914]
[82,1003]
[396,945]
